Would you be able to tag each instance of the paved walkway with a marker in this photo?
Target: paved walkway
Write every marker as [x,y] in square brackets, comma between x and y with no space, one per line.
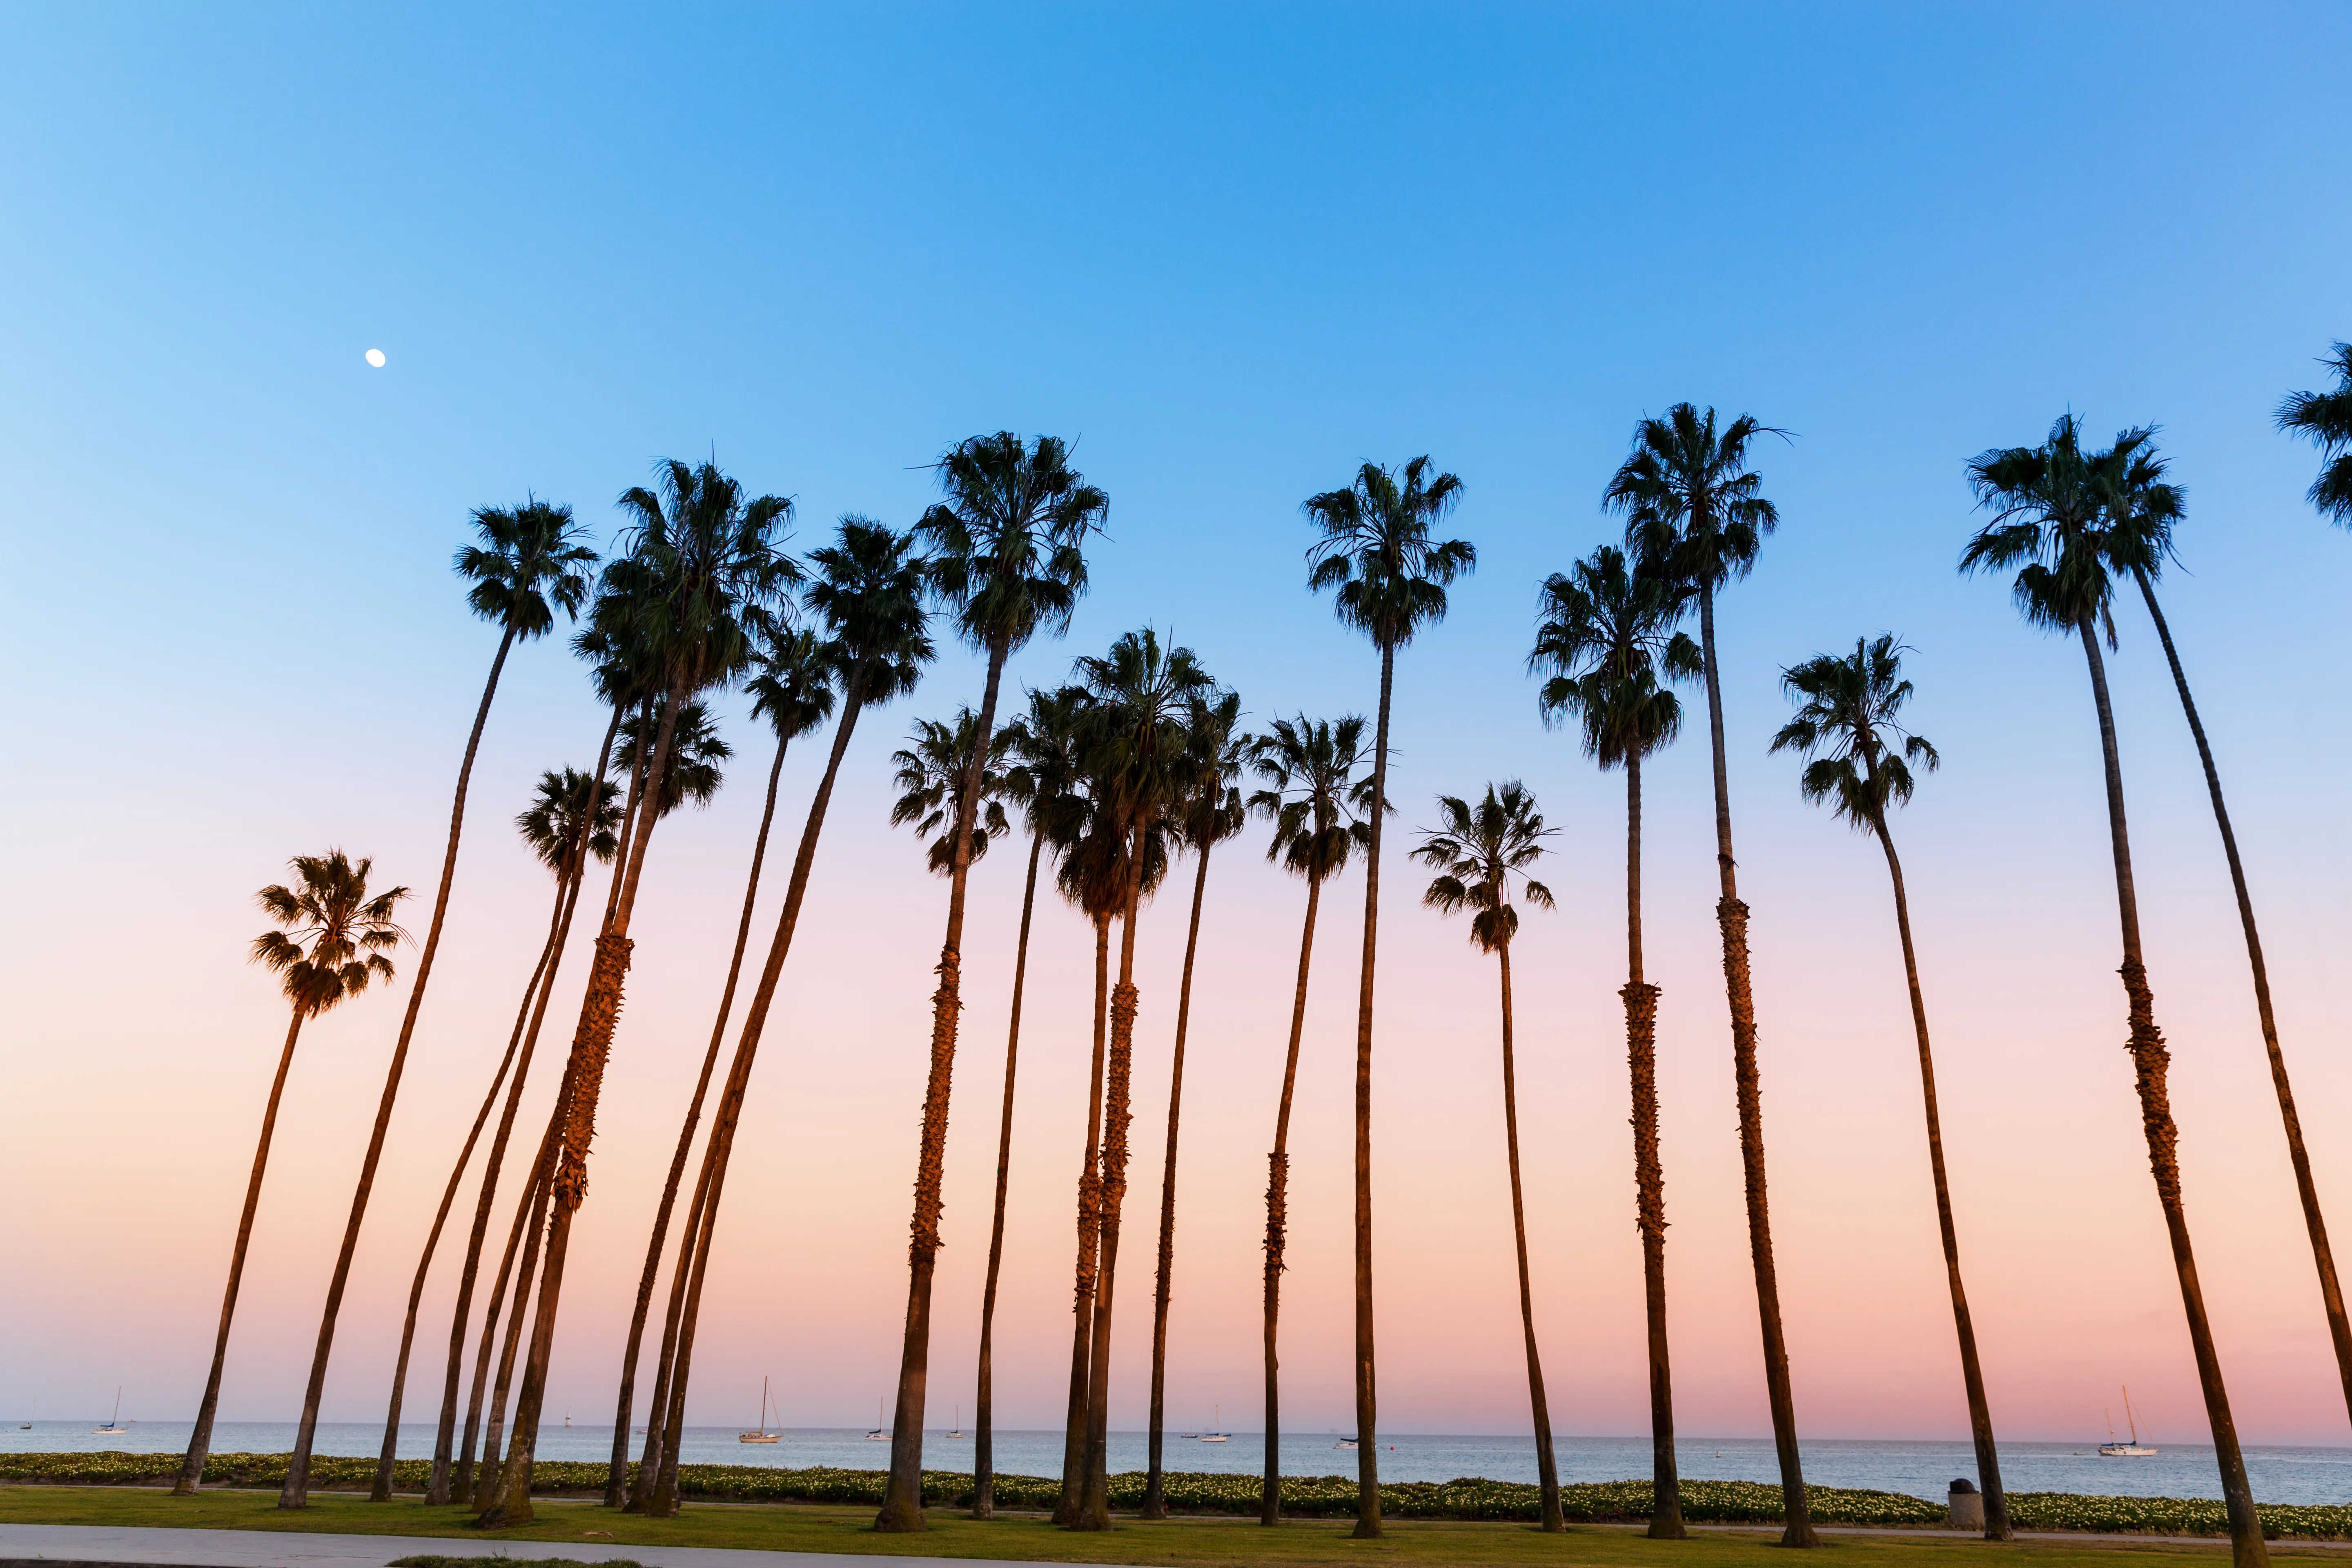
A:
[97,1543]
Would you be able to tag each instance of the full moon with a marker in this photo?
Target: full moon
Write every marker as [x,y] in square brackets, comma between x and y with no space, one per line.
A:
[376,358]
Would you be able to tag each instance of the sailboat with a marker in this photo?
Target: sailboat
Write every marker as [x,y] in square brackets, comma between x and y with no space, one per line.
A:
[2135,1449]
[1345,1443]
[1212,1434]
[958,1431]
[114,1426]
[878,1435]
[762,1434]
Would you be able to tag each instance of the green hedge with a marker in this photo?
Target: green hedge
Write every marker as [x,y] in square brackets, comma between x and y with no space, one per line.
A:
[1192,1491]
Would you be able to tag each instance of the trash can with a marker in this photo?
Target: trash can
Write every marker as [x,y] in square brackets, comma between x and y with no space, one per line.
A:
[1966,1505]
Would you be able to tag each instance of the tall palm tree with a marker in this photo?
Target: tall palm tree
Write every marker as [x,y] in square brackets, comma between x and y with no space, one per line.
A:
[1476,853]
[2051,523]
[1211,812]
[1604,637]
[869,592]
[1388,579]
[2324,419]
[703,578]
[566,804]
[1041,779]
[1007,560]
[792,689]
[1144,761]
[932,774]
[1694,509]
[340,935]
[528,564]
[1848,723]
[1317,804]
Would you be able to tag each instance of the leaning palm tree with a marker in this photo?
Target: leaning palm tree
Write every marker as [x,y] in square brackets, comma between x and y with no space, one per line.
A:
[1694,509]
[933,770]
[1848,723]
[792,689]
[529,563]
[1007,560]
[2324,419]
[1476,853]
[703,578]
[340,933]
[1211,812]
[1318,805]
[869,592]
[2051,523]
[1388,579]
[1041,778]
[1604,636]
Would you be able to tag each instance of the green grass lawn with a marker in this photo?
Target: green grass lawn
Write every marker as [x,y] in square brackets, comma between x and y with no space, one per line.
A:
[779,1527]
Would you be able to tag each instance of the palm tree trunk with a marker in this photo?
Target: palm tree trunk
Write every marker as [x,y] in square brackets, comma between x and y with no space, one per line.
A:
[902,1502]
[1277,1215]
[2323,1257]
[1155,1501]
[486,1486]
[1731,915]
[984,1497]
[1073,1428]
[200,1441]
[616,1478]
[592,1045]
[568,887]
[669,1414]
[1641,1000]
[2151,1063]
[525,1219]
[1996,1502]
[1094,1506]
[297,1490]
[1368,1454]
[1547,1472]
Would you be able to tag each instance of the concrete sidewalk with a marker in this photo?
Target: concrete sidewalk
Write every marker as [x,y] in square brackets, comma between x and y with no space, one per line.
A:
[61,1544]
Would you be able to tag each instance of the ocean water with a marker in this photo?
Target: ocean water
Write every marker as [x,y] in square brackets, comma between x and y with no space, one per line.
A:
[1923,1468]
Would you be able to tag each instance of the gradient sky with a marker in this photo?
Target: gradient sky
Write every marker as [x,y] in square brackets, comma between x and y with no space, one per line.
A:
[1232,252]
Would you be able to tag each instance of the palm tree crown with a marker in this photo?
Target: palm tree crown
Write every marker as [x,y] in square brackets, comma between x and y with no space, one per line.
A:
[1006,546]
[1847,722]
[1319,805]
[793,686]
[1139,752]
[337,933]
[529,555]
[1046,771]
[1389,578]
[2324,419]
[704,575]
[1213,809]
[695,751]
[551,825]
[2065,520]
[1690,501]
[1475,854]
[868,590]
[931,781]
[1604,634]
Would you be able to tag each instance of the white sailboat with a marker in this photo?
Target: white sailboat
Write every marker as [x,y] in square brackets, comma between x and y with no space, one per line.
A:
[958,1431]
[114,1426]
[1212,1434]
[762,1434]
[879,1435]
[2135,1449]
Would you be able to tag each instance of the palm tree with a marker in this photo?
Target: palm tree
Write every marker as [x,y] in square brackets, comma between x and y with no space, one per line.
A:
[868,591]
[1475,854]
[2051,523]
[340,934]
[1604,636]
[2324,419]
[1848,721]
[1388,580]
[793,692]
[1142,757]
[529,563]
[1042,778]
[1211,812]
[1006,559]
[552,827]
[1317,804]
[693,775]
[1696,511]
[702,581]
[931,777]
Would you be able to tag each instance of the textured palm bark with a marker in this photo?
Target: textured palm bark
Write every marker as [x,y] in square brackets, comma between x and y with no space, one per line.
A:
[1731,917]
[1094,1506]
[1074,1429]
[1368,1448]
[1996,1502]
[296,1492]
[2315,1221]
[2150,1063]
[1155,1499]
[1547,1472]
[983,1433]
[200,1441]
[1641,1000]
[902,1502]
[1277,1219]
[526,1272]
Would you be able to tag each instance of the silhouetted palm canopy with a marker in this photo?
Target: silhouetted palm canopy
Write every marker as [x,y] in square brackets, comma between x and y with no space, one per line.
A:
[1389,577]
[704,576]
[1005,547]
[868,590]
[336,934]
[1213,809]
[1477,852]
[1045,773]
[1693,508]
[2324,419]
[932,768]
[1604,636]
[791,683]
[1318,803]
[529,555]
[1137,751]
[551,825]
[1848,721]
[695,751]
[2056,521]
